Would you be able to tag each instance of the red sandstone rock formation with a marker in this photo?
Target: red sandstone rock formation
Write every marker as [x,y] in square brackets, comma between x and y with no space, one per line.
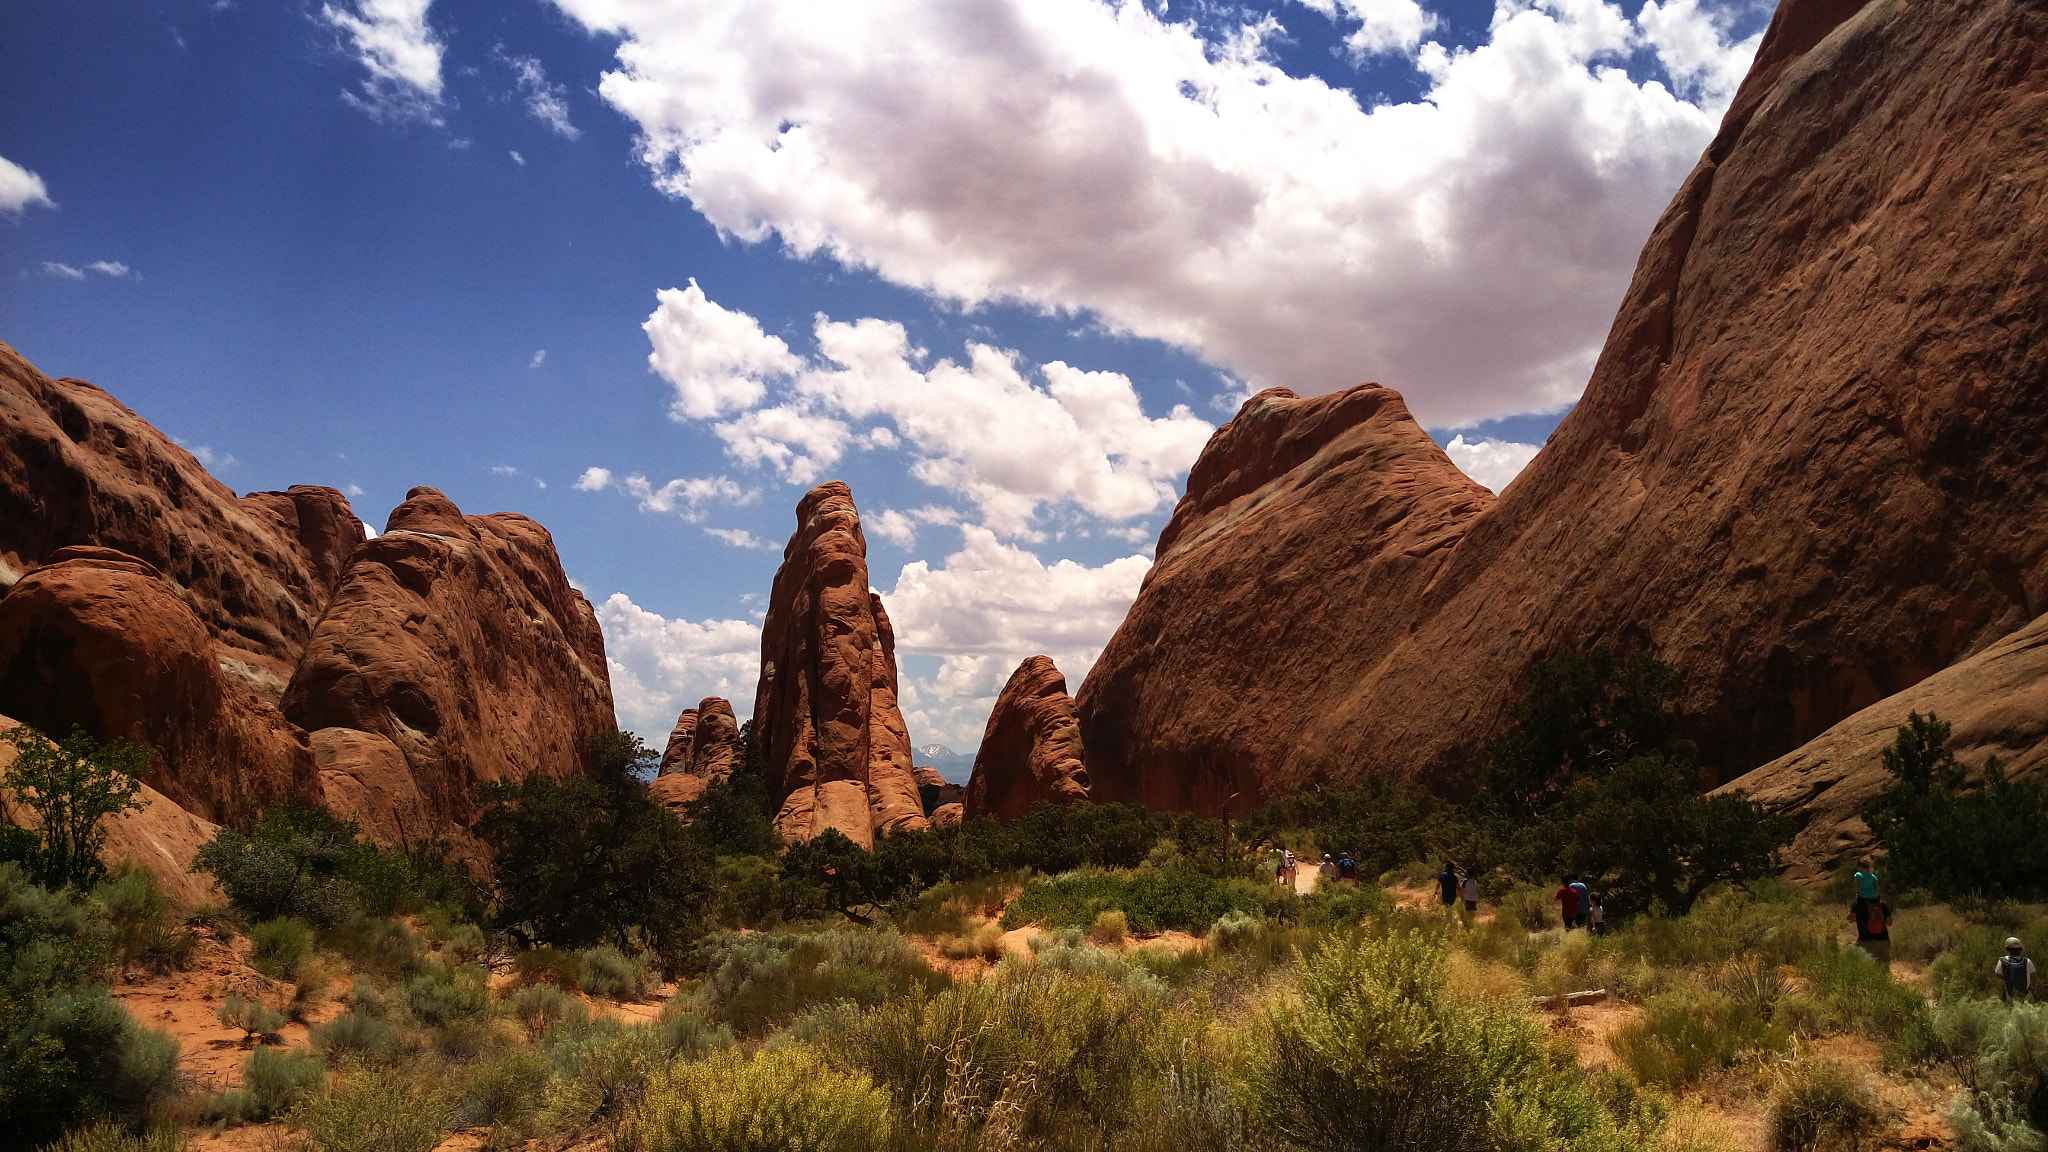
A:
[459,642]
[715,742]
[676,757]
[832,737]
[1806,471]
[1996,704]
[141,599]
[1031,749]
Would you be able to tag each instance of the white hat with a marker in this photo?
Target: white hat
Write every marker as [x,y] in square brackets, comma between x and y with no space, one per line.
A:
[2012,944]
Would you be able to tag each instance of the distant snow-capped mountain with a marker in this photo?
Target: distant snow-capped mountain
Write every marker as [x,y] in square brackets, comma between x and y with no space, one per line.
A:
[956,767]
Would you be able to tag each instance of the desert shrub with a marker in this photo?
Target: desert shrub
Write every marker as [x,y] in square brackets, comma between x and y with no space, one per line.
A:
[1683,1034]
[302,861]
[1821,1102]
[549,965]
[68,1051]
[438,1000]
[1961,1029]
[601,1067]
[1381,823]
[381,1110]
[1859,993]
[465,943]
[1379,1053]
[106,1137]
[1027,1054]
[783,1099]
[539,1007]
[1152,901]
[1723,929]
[277,946]
[138,914]
[762,980]
[2006,1109]
[71,785]
[1234,930]
[356,1036]
[1965,970]
[502,1091]
[1344,906]
[977,938]
[382,945]
[612,974]
[745,892]
[586,860]
[273,1081]
[684,1035]
[1111,927]
[954,906]
[251,1015]
[310,987]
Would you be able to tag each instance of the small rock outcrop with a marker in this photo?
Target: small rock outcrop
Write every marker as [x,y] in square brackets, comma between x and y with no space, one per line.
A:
[933,790]
[1031,749]
[832,737]
[1996,704]
[676,757]
[1806,470]
[715,741]
[457,641]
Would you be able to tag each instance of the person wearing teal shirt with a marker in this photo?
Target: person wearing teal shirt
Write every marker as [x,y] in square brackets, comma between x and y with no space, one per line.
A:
[1866,882]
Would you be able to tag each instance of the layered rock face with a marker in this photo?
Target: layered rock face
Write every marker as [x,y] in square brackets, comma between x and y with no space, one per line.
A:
[1806,470]
[934,792]
[1031,749]
[1996,704]
[258,644]
[676,757]
[458,641]
[833,739]
[705,745]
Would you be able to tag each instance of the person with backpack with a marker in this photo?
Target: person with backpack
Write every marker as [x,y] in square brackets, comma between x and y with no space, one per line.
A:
[1287,867]
[1448,881]
[1597,919]
[2015,971]
[1471,892]
[1347,868]
[1585,899]
[1873,920]
[1328,871]
[1568,903]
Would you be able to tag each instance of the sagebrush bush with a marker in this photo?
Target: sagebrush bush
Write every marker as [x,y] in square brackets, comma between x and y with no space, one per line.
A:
[383,1110]
[359,1037]
[1234,930]
[1111,927]
[1858,993]
[139,915]
[502,1091]
[1683,1034]
[105,1137]
[1379,1053]
[273,1081]
[464,943]
[374,944]
[539,1007]
[785,1099]
[277,946]
[612,974]
[549,965]
[2006,1108]
[252,1016]
[760,981]
[601,1067]
[684,1035]
[1821,1102]
[978,939]
[440,999]
[1152,900]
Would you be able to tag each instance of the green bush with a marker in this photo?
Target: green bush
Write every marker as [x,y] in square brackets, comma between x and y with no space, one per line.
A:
[1033,1053]
[375,944]
[273,1081]
[1818,1103]
[1234,930]
[465,943]
[760,981]
[374,1111]
[438,1000]
[612,974]
[252,1016]
[601,1068]
[143,931]
[71,785]
[539,1007]
[1152,901]
[300,860]
[549,965]
[786,1099]
[1859,994]
[2006,1107]
[277,947]
[105,1137]
[502,1091]
[684,1035]
[1111,926]
[356,1036]
[1683,1034]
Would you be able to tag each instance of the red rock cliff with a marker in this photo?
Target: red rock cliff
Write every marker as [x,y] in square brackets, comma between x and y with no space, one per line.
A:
[833,739]
[1031,749]
[1806,470]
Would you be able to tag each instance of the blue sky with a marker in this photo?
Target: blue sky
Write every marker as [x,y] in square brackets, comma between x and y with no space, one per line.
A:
[380,243]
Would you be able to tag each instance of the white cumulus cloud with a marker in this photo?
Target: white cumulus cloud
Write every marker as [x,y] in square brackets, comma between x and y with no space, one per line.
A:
[740,538]
[113,268]
[62,271]
[1468,248]
[714,357]
[594,480]
[687,495]
[549,103]
[1491,462]
[986,609]
[661,666]
[21,189]
[393,42]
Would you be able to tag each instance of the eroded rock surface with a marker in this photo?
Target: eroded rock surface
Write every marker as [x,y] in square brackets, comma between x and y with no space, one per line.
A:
[715,741]
[1806,470]
[1031,749]
[832,736]
[676,757]
[1996,704]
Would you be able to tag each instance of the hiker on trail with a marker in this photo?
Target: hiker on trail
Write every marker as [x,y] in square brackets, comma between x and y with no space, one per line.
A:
[1347,868]
[2015,971]
[1448,879]
[1866,881]
[1287,867]
[1597,916]
[1585,899]
[1568,903]
[1471,892]
[1329,869]
[1873,919]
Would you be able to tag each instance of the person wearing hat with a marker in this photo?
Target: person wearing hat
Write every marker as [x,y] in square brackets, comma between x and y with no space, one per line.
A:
[2015,971]
[1329,868]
